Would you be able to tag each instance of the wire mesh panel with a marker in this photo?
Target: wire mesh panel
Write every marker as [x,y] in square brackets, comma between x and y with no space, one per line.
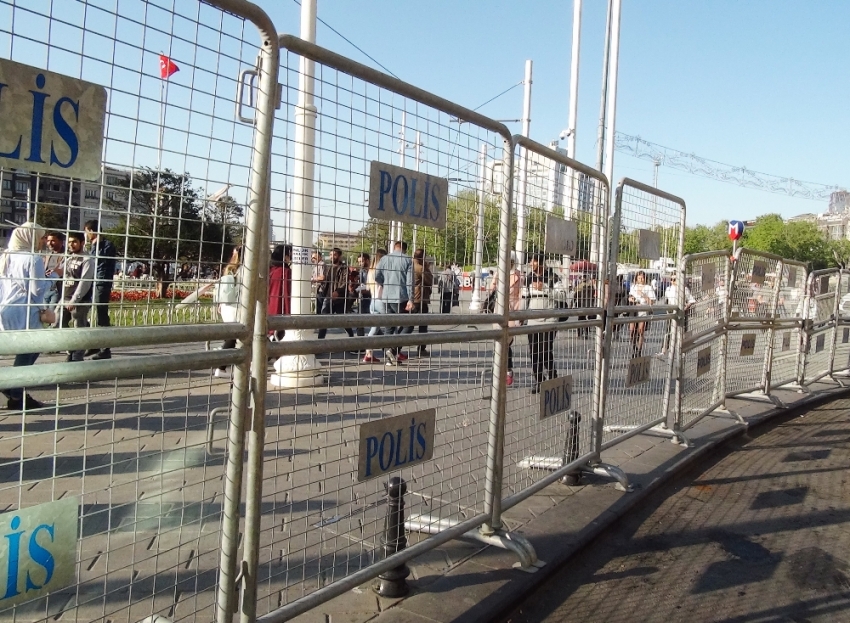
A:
[134,443]
[557,273]
[841,360]
[648,238]
[786,337]
[819,312]
[746,352]
[786,348]
[754,283]
[321,517]
[706,293]
[700,381]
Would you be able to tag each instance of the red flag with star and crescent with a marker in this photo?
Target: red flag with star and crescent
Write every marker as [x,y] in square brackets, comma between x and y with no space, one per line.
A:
[167,67]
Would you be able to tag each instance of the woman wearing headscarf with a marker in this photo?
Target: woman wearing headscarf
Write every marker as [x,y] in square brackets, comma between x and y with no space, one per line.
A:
[23,286]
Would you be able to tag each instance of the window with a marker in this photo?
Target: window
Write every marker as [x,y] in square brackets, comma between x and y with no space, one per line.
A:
[111,194]
[22,187]
[91,194]
[56,187]
[7,184]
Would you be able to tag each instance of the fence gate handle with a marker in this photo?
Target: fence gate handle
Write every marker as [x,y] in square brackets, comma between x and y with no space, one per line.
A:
[246,79]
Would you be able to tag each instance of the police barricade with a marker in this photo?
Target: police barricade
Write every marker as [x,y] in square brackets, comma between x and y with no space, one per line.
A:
[357,427]
[119,505]
[787,325]
[841,357]
[700,384]
[754,294]
[648,235]
[819,313]
[552,405]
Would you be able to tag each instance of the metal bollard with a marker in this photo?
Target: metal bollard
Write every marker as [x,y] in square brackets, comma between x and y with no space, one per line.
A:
[571,449]
[392,583]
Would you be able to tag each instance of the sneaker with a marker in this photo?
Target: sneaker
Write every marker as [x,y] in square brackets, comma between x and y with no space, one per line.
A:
[392,360]
[423,352]
[536,388]
[91,351]
[221,374]
[103,354]
[401,357]
[509,380]
[370,359]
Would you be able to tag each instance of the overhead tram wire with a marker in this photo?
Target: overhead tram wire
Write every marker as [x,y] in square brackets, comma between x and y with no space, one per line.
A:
[711,169]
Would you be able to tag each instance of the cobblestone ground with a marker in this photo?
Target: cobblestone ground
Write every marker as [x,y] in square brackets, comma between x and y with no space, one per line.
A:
[761,534]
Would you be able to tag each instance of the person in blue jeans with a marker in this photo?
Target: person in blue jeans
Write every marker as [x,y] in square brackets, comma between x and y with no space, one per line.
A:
[394,274]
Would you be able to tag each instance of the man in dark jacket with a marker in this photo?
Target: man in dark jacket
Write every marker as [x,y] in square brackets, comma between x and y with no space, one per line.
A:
[336,290]
[103,254]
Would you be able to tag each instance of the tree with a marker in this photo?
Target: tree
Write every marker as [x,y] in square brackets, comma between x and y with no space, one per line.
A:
[167,223]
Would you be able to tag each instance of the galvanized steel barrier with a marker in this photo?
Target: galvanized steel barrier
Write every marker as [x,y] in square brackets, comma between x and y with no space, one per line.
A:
[648,224]
[128,449]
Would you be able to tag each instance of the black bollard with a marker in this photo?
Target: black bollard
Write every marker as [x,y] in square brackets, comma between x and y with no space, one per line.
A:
[571,449]
[392,583]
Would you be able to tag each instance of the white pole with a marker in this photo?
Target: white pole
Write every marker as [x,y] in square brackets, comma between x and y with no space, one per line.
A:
[523,166]
[598,237]
[612,91]
[396,229]
[417,146]
[302,370]
[475,303]
[574,68]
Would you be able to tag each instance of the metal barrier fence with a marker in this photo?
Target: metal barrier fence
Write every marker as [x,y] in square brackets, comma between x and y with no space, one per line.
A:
[119,458]
[318,510]
[701,384]
[648,225]
[138,458]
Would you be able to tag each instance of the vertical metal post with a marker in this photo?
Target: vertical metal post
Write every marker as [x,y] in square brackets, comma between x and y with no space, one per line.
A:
[771,331]
[679,319]
[475,303]
[835,309]
[498,398]
[678,345]
[302,370]
[393,583]
[731,276]
[805,332]
[523,167]
[574,69]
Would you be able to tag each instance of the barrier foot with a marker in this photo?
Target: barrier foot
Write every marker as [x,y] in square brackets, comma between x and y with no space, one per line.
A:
[515,543]
[730,413]
[680,439]
[838,380]
[778,402]
[609,471]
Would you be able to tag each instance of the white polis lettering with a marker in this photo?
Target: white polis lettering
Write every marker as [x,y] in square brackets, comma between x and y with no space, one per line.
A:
[391,444]
[398,194]
[51,123]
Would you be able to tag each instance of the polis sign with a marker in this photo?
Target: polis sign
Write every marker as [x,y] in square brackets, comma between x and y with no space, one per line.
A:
[556,396]
[398,194]
[38,551]
[393,443]
[51,123]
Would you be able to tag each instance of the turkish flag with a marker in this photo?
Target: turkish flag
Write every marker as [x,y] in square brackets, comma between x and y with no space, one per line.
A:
[167,67]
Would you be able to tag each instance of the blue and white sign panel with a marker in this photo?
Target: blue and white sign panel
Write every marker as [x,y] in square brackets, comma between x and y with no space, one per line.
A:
[390,444]
[556,396]
[398,194]
[51,123]
[736,230]
[38,551]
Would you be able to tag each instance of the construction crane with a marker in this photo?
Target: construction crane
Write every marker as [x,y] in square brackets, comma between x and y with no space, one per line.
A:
[660,155]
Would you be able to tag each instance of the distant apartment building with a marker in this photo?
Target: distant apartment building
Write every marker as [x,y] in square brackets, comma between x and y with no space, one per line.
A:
[343,241]
[835,222]
[72,203]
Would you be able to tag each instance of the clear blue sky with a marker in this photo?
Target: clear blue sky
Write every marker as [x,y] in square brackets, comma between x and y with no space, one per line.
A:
[761,83]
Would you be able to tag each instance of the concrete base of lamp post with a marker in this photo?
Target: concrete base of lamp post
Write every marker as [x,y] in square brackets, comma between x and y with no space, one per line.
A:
[293,371]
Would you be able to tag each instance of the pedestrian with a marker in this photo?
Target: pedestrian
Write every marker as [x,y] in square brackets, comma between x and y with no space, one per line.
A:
[395,276]
[52,260]
[317,280]
[78,277]
[226,296]
[539,282]
[376,303]
[448,287]
[336,290]
[671,294]
[362,293]
[280,284]
[423,283]
[23,286]
[103,254]
[641,293]
[514,304]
